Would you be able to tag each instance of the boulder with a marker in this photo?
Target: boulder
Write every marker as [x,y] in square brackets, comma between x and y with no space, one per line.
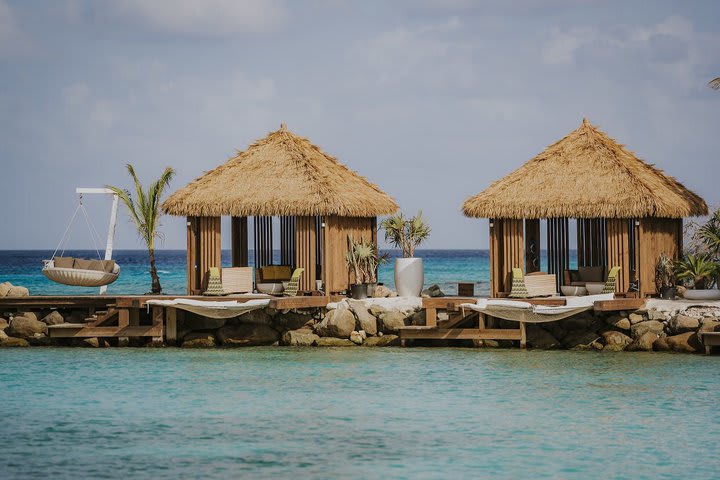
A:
[661,345]
[31,315]
[433,292]
[685,342]
[196,322]
[18,292]
[91,342]
[13,342]
[199,340]
[299,338]
[656,315]
[616,341]
[333,342]
[260,316]
[377,310]
[5,288]
[247,334]
[337,323]
[392,321]
[639,329]
[618,321]
[41,340]
[53,318]
[384,341]
[365,320]
[381,291]
[578,322]
[643,343]
[539,338]
[3,335]
[22,327]
[291,321]
[356,338]
[683,323]
[3,324]
[579,339]
[418,318]
[636,318]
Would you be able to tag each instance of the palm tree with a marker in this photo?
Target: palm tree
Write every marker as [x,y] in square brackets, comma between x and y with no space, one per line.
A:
[715,83]
[146,214]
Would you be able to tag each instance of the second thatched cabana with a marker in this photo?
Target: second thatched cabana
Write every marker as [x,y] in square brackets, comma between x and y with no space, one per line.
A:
[627,212]
[318,200]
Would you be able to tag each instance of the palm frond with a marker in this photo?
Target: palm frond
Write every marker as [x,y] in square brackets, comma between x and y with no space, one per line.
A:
[714,83]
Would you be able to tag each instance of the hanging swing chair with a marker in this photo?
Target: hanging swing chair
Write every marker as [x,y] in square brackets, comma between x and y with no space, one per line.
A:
[79,272]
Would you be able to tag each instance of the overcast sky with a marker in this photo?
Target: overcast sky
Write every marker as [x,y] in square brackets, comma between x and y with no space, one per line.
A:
[432,100]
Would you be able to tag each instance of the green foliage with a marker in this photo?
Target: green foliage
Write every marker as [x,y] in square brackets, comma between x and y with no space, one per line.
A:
[145,213]
[405,234]
[362,260]
[664,272]
[699,269]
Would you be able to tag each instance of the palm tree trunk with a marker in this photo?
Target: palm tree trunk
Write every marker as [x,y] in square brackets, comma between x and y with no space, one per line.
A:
[156,288]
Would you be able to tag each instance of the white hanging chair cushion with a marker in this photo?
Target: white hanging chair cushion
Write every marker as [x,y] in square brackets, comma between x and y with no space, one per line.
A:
[80,277]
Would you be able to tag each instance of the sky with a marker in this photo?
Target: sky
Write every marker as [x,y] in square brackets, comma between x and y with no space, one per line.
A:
[430,99]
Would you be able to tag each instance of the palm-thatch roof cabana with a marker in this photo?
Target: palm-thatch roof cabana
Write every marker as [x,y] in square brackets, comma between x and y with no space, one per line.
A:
[628,212]
[319,201]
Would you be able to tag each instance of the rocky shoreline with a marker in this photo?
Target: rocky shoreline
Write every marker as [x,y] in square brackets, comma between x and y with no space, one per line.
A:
[375,322]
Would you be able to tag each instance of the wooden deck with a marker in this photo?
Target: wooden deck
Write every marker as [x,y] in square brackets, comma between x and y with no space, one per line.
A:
[709,340]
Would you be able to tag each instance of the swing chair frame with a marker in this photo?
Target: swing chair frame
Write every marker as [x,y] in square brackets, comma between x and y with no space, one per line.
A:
[70,276]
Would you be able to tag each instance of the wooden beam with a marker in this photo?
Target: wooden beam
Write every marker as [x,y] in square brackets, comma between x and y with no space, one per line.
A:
[619,304]
[157,319]
[315,301]
[239,241]
[429,333]
[76,330]
[171,326]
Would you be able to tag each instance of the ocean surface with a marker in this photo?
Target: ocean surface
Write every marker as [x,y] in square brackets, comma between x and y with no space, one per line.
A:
[412,413]
[24,267]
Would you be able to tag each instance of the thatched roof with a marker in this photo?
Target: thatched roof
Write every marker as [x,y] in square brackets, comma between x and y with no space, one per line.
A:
[282,174]
[587,174]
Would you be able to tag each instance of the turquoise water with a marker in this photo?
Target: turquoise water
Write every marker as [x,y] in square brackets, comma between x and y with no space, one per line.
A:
[357,413]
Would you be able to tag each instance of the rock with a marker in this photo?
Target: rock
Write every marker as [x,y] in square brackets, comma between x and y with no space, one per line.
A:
[356,338]
[22,327]
[31,315]
[299,338]
[384,341]
[539,338]
[91,342]
[661,345]
[365,320]
[433,292]
[643,343]
[5,288]
[41,340]
[196,322]
[418,318]
[247,334]
[363,334]
[260,316]
[636,318]
[683,323]
[392,321]
[377,310]
[616,341]
[199,340]
[337,323]
[656,315]
[577,322]
[3,324]
[619,322]
[13,342]
[18,292]
[53,318]
[639,329]
[3,335]
[685,342]
[381,291]
[333,342]
[291,321]
[579,338]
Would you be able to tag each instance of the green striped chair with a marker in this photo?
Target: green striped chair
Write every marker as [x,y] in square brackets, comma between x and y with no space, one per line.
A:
[518,289]
[611,282]
[294,284]
[214,283]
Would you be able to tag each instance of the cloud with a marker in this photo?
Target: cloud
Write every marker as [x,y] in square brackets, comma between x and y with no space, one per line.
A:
[211,18]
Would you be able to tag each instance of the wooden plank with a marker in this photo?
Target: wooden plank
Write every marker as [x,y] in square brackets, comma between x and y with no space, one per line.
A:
[523,337]
[157,319]
[655,237]
[81,331]
[431,317]
[532,245]
[459,333]
[140,301]
[123,322]
[239,241]
[451,303]
[58,301]
[619,304]
[306,251]
[171,326]
[314,301]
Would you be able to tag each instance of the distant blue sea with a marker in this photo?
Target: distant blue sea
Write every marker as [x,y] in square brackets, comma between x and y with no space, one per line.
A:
[23,267]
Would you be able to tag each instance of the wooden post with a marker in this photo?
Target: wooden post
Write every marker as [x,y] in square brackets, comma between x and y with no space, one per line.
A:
[171,326]
[618,251]
[239,241]
[523,337]
[123,321]
[431,317]
[532,245]
[656,236]
[305,251]
[157,319]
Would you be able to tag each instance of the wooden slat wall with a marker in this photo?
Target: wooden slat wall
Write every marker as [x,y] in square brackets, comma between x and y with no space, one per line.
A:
[193,277]
[592,242]
[337,230]
[263,241]
[532,245]
[558,247]
[496,274]
[287,241]
[618,250]
[306,251]
[656,236]
[209,250]
[512,251]
[239,241]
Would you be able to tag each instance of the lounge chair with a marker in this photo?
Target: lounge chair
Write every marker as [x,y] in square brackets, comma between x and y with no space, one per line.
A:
[214,286]
[534,285]
[294,285]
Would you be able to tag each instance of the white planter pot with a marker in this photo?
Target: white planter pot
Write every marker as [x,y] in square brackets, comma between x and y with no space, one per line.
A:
[409,276]
[712,294]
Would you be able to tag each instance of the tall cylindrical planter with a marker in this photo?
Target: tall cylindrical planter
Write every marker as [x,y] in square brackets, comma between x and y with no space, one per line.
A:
[409,276]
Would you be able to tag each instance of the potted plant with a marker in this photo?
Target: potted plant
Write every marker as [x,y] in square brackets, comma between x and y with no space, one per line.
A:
[357,262]
[699,271]
[665,277]
[407,234]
